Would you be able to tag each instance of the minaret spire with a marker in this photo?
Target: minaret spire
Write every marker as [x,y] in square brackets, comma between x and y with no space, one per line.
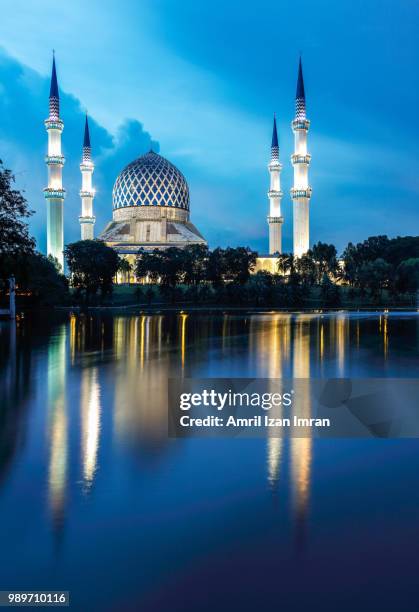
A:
[87,220]
[300,96]
[301,191]
[55,193]
[54,96]
[87,151]
[274,145]
[275,218]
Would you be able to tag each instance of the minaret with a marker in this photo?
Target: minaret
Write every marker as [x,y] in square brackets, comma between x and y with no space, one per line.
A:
[301,191]
[275,220]
[87,220]
[55,193]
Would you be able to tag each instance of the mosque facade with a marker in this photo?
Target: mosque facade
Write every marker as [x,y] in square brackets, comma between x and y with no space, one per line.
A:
[151,201]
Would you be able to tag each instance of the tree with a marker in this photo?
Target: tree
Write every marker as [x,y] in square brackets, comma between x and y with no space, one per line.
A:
[374,275]
[14,233]
[92,265]
[325,258]
[306,267]
[239,263]
[149,265]
[355,258]
[125,267]
[330,292]
[401,249]
[216,267]
[260,288]
[407,276]
[195,263]
[38,275]
[166,266]
[286,263]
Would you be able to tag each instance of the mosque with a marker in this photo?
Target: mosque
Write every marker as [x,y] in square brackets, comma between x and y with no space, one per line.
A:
[150,199]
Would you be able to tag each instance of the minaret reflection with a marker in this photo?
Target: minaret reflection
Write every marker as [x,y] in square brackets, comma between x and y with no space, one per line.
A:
[90,424]
[385,336]
[321,343]
[183,321]
[140,401]
[301,448]
[277,343]
[341,341]
[269,350]
[58,426]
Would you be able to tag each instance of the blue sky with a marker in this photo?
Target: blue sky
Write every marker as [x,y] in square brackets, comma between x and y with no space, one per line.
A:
[202,80]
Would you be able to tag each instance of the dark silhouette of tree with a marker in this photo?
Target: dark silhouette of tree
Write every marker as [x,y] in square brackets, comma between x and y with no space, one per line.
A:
[216,267]
[93,266]
[330,292]
[238,264]
[39,276]
[166,266]
[125,267]
[14,234]
[407,276]
[149,265]
[286,263]
[325,258]
[306,267]
[195,263]
[355,257]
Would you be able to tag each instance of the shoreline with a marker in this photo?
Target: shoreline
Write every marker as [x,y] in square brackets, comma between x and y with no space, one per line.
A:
[227,308]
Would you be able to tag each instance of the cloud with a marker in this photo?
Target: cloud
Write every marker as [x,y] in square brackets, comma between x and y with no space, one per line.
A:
[210,107]
[23,145]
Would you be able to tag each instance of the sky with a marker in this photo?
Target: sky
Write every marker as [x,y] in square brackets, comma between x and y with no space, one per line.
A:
[200,82]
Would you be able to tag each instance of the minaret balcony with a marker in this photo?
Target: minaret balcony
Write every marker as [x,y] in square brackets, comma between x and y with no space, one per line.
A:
[300,124]
[273,193]
[301,192]
[275,165]
[275,219]
[87,194]
[90,220]
[55,160]
[86,166]
[54,124]
[50,192]
[296,158]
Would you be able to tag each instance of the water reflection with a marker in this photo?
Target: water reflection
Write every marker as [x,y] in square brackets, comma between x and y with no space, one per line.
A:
[15,376]
[57,426]
[276,341]
[90,424]
[119,367]
[301,448]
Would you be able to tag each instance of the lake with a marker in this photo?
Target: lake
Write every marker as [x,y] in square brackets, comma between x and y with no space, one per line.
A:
[97,500]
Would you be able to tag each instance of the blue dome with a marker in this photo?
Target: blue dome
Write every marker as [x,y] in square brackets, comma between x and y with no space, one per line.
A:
[151,180]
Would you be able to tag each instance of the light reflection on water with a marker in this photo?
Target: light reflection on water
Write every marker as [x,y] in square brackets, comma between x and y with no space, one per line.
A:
[81,395]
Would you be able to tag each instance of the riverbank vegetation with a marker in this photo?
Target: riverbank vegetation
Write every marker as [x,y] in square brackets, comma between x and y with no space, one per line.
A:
[380,271]
[38,278]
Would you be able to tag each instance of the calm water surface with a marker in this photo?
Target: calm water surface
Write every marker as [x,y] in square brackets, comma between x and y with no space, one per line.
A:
[95,499]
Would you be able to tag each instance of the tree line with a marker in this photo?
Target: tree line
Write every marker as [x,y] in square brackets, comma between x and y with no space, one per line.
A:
[379,269]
